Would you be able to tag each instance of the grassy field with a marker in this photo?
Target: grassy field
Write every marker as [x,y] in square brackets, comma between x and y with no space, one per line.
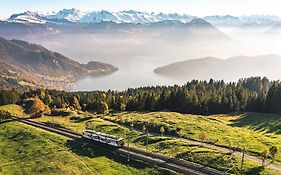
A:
[26,150]
[252,131]
[158,144]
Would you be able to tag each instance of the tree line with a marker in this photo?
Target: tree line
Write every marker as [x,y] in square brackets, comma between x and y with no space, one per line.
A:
[196,97]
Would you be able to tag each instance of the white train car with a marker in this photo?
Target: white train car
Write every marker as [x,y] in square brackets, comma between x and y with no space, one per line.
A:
[103,138]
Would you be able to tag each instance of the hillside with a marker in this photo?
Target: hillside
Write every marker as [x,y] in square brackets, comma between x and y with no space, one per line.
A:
[109,40]
[25,63]
[230,69]
[119,124]
[32,151]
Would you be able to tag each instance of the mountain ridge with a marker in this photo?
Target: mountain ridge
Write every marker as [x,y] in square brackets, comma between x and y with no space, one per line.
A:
[35,64]
[217,68]
[131,16]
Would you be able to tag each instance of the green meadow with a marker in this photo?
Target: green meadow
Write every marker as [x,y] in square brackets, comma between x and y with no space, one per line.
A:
[25,150]
[221,160]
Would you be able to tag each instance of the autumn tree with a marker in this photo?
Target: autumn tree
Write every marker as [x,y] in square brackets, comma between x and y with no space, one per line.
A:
[121,119]
[37,106]
[47,110]
[75,103]
[123,107]
[102,108]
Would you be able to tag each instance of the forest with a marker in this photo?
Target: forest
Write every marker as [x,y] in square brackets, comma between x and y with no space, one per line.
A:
[253,94]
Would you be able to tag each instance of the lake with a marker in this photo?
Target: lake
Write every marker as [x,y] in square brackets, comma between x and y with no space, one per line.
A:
[138,72]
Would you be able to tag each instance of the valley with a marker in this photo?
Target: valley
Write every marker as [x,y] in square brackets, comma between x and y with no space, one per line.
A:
[140,48]
[154,88]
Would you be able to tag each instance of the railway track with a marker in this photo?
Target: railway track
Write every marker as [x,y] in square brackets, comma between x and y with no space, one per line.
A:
[173,164]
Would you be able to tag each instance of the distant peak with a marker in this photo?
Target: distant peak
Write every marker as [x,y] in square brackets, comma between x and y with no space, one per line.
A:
[199,21]
[70,10]
[27,17]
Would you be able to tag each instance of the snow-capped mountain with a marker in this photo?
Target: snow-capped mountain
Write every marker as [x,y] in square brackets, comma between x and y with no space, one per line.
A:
[253,20]
[75,15]
[132,16]
[223,20]
[135,17]
[28,17]
[72,15]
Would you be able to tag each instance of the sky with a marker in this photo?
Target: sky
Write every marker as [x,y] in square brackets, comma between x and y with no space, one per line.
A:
[192,7]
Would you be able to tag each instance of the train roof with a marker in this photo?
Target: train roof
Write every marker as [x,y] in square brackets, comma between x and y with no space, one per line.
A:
[103,134]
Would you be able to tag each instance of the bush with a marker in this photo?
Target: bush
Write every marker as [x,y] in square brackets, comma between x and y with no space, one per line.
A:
[4,115]
[34,106]
[60,112]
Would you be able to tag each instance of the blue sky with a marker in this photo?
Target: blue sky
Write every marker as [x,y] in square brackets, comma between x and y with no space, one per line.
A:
[192,7]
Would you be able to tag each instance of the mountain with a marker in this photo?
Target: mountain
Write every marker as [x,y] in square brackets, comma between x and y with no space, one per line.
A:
[196,28]
[33,64]
[274,30]
[229,69]
[67,16]
[71,15]
[242,21]
[77,16]
[109,40]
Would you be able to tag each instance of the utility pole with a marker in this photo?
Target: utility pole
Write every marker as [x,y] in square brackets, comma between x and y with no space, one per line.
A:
[242,161]
[128,149]
[146,139]
[132,125]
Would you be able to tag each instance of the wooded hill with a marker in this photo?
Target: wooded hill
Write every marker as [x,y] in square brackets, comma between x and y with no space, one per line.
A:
[25,64]
[196,97]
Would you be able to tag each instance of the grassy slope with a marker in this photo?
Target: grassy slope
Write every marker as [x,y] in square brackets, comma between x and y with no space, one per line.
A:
[13,109]
[163,145]
[252,131]
[26,150]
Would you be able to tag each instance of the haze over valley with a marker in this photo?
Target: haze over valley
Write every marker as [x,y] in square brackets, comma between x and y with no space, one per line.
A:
[139,42]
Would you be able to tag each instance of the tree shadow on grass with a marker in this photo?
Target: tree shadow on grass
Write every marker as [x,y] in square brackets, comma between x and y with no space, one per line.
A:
[271,123]
[255,171]
[150,140]
[80,119]
[215,161]
[54,125]
[91,149]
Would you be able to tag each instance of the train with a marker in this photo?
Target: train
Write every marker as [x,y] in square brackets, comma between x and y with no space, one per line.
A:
[103,138]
